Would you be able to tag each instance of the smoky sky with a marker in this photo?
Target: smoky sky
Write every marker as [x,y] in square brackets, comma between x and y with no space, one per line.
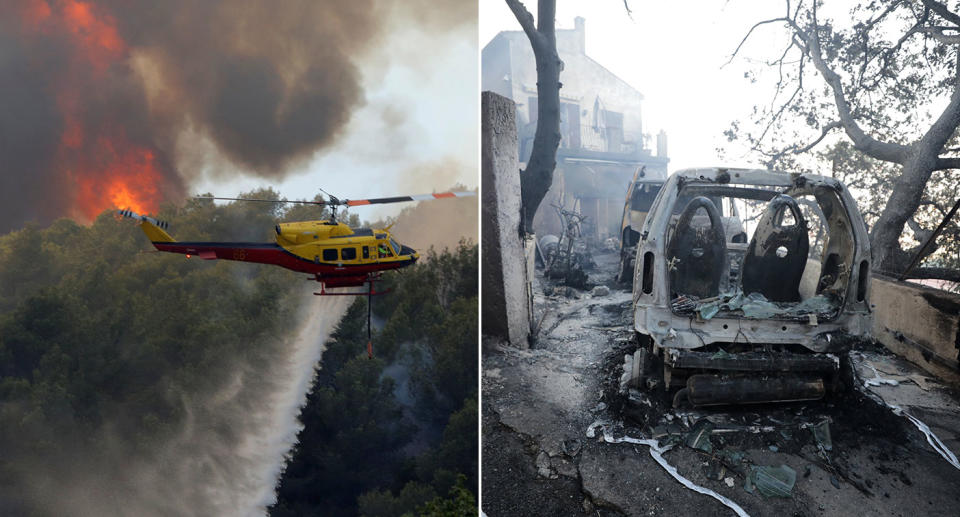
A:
[100,99]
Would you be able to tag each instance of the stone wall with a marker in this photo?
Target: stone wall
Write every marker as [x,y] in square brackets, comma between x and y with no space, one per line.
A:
[919,323]
[504,284]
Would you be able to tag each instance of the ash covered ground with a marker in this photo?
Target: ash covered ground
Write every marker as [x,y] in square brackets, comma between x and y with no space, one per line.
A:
[539,403]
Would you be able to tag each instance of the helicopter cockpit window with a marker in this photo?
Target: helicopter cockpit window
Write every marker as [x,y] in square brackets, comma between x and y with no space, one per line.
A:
[330,254]
[396,247]
[383,250]
[349,253]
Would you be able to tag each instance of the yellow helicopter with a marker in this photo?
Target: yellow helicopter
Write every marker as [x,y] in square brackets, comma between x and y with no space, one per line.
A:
[332,252]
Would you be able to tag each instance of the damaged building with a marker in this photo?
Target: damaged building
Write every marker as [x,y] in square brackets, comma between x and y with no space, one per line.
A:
[602,136]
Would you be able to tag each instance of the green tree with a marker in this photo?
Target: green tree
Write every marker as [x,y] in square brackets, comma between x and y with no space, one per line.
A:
[100,343]
[427,331]
[887,77]
[459,502]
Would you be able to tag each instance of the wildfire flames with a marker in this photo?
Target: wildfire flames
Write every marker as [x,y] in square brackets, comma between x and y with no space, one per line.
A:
[125,103]
[129,180]
[104,167]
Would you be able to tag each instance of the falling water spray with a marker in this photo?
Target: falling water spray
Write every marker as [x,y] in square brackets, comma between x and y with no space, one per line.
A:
[226,457]
[272,431]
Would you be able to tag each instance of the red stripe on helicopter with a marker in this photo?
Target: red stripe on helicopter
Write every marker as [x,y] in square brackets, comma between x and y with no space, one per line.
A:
[269,253]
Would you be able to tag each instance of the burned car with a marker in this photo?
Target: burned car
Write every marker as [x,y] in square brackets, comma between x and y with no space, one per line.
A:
[641,193]
[746,283]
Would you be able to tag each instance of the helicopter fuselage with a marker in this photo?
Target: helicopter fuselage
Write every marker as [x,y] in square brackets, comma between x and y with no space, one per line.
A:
[339,256]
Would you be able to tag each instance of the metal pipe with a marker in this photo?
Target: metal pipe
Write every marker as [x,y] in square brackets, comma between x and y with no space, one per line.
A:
[714,390]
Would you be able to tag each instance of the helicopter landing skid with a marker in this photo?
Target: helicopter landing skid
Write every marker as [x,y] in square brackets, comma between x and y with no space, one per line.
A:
[323,292]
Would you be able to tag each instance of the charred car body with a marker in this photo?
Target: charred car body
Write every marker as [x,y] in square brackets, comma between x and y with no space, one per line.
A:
[745,284]
[641,193]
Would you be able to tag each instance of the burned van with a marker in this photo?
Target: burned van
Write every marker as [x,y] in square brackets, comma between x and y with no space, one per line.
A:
[745,283]
[641,193]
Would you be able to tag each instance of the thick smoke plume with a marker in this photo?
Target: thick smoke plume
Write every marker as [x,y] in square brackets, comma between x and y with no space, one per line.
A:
[106,102]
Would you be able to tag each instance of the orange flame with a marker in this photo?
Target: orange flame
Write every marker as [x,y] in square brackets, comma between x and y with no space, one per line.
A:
[128,180]
[106,169]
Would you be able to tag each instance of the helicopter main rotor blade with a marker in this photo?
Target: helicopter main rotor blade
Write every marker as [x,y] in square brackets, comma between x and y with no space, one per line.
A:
[352,202]
[401,199]
[321,203]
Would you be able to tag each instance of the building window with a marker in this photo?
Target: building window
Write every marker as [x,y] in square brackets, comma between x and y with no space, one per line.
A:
[570,125]
[613,122]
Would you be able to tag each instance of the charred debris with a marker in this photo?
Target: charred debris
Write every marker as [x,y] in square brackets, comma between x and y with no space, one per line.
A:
[567,258]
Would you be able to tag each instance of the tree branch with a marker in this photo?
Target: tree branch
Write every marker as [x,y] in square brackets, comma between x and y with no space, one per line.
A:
[946,124]
[919,232]
[866,144]
[783,107]
[525,19]
[795,149]
[749,32]
[936,273]
[937,34]
[869,24]
[943,11]
[947,163]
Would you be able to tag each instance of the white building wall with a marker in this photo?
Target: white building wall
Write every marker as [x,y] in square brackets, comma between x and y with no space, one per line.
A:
[585,83]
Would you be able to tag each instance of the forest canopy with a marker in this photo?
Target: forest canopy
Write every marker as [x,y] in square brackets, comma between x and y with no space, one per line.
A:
[103,344]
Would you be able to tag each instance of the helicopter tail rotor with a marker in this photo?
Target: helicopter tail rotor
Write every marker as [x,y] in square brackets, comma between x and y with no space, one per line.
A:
[163,225]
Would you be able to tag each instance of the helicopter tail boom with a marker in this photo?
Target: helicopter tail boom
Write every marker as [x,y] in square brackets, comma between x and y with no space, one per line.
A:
[155,233]
[150,226]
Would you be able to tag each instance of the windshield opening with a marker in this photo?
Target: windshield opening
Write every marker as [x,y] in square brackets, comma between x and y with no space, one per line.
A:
[643,195]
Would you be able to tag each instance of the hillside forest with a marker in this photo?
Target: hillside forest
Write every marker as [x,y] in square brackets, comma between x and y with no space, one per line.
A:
[128,378]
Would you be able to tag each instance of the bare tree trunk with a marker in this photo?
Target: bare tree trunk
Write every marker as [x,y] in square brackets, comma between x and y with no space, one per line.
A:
[888,255]
[918,160]
[536,179]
